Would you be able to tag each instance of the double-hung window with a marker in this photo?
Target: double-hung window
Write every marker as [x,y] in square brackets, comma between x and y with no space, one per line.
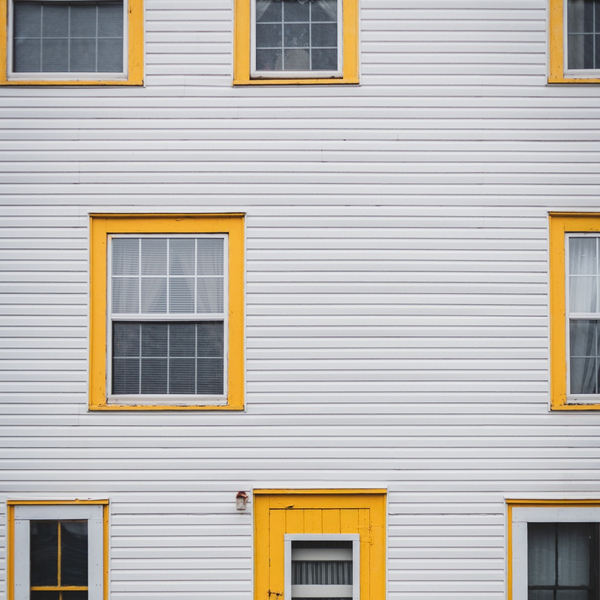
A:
[73,41]
[575,311]
[554,550]
[171,326]
[296,41]
[574,41]
[57,550]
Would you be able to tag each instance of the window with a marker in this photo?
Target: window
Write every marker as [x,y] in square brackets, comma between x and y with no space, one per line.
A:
[72,42]
[296,41]
[167,312]
[553,550]
[575,311]
[57,550]
[320,544]
[574,41]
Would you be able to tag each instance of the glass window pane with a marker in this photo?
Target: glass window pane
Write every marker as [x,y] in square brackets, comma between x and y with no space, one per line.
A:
[155,339]
[324,60]
[55,20]
[210,376]
[541,558]
[324,35]
[573,595]
[182,257]
[27,20]
[540,595]
[74,553]
[583,257]
[83,20]
[181,295]
[154,256]
[583,294]
[154,295]
[182,340]
[296,60]
[324,10]
[574,540]
[55,55]
[45,595]
[154,375]
[110,20]
[28,56]
[126,376]
[268,36]
[210,339]
[182,376]
[126,339]
[269,10]
[110,56]
[210,256]
[296,36]
[83,56]
[43,551]
[583,376]
[125,295]
[296,11]
[269,60]
[125,256]
[210,295]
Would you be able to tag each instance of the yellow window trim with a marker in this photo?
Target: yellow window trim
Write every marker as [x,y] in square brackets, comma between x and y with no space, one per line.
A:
[100,227]
[135,44]
[11,504]
[557,47]
[241,53]
[510,504]
[561,224]
[279,512]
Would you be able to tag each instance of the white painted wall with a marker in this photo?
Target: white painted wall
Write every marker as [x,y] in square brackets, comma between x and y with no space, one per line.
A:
[397,295]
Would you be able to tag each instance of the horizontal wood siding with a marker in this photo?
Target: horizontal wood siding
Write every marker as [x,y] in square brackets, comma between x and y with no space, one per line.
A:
[396,291]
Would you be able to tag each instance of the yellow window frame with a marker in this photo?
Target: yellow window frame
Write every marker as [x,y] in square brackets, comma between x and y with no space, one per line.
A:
[561,224]
[135,50]
[242,49]
[313,511]
[557,29]
[12,504]
[101,226]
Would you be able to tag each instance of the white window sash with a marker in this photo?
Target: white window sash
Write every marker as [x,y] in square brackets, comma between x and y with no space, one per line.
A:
[163,399]
[521,516]
[93,514]
[339,72]
[323,591]
[67,76]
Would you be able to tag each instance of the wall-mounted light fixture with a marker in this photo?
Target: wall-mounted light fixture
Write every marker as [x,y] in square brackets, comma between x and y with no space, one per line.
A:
[241,500]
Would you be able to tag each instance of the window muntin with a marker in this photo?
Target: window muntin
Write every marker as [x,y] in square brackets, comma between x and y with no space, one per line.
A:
[58,551]
[297,38]
[554,550]
[322,566]
[167,312]
[295,41]
[168,306]
[72,42]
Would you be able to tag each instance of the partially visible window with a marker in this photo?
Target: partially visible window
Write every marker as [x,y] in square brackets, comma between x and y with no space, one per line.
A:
[574,41]
[167,298]
[322,566]
[575,311]
[554,552]
[74,41]
[58,551]
[296,41]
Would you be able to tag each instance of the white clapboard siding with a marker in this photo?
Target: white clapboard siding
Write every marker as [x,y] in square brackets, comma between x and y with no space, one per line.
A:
[396,291]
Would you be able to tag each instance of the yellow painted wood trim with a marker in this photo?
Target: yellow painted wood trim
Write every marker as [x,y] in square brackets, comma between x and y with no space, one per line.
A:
[241,51]
[10,544]
[135,44]
[103,225]
[559,225]
[509,541]
[364,513]
[299,492]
